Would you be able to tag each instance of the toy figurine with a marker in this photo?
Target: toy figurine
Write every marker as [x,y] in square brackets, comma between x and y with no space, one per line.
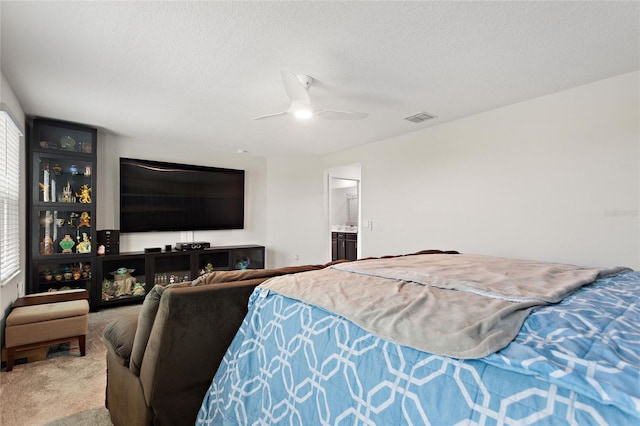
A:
[86,270]
[84,194]
[67,244]
[138,289]
[123,281]
[108,290]
[243,263]
[72,217]
[84,220]
[66,193]
[84,246]
[45,191]
[46,246]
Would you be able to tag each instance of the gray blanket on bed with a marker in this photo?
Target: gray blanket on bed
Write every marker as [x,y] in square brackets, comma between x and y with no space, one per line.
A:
[463,306]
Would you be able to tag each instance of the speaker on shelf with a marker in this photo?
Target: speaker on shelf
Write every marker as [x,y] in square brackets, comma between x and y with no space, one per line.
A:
[110,240]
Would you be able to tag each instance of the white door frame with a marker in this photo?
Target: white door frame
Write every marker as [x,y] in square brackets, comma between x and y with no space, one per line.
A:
[349,172]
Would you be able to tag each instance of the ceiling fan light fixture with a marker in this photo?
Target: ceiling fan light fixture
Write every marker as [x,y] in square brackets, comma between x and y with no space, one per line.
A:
[303,114]
[297,88]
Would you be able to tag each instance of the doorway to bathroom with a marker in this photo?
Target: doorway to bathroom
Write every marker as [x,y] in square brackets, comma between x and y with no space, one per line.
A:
[344,202]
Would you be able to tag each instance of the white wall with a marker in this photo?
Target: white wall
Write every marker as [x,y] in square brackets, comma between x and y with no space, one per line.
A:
[556,178]
[16,286]
[112,147]
[297,228]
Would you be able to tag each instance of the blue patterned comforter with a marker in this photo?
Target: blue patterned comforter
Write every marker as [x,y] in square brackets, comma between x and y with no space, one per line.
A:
[576,362]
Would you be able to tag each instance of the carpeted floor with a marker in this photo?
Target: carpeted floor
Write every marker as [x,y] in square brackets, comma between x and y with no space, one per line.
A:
[65,389]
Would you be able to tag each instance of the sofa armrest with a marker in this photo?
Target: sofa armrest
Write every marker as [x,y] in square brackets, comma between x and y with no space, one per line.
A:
[192,330]
[118,336]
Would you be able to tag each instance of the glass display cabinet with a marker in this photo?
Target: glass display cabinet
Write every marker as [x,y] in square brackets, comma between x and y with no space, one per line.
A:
[121,279]
[124,277]
[171,267]
[62,212]
[230,257]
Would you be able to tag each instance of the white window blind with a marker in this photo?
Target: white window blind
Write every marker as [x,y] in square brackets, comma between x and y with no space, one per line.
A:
[9,198]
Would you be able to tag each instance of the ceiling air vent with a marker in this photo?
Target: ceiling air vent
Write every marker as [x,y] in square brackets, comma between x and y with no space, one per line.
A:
[420,117]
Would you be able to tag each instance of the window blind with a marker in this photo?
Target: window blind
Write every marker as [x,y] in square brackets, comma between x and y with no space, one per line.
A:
[9,198]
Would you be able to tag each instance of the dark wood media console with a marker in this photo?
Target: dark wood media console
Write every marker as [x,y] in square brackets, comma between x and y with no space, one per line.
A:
[164,268]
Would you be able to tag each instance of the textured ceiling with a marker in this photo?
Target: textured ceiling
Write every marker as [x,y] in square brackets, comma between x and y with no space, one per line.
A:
[197,72]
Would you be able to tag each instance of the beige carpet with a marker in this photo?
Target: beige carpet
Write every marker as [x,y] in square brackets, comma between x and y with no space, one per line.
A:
[65,389]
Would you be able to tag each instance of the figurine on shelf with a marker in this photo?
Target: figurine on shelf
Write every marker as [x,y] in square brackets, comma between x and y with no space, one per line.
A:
[243,263]
[46,246]
[108,290]
[67,244]
[85,220]
[66,193]
[84,194]
[84,246]
[45,191]
[86,270]
[138,289]
[72,217]
[123,281]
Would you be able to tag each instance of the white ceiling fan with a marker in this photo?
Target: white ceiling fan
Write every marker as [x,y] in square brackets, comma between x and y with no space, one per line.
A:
[297,88]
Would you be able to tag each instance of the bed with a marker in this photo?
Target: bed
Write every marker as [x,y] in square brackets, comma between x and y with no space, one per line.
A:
[441,339]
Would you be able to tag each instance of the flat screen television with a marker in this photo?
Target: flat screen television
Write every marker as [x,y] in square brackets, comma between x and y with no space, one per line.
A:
[159,196]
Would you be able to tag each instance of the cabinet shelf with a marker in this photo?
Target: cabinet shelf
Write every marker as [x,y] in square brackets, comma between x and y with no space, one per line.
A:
[48,205]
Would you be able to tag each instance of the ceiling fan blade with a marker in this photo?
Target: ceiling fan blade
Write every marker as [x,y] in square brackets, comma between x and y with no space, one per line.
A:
[275,114]
[341,115]
[296,91]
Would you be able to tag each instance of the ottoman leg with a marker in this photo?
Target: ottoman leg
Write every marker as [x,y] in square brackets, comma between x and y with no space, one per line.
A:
[82,342]
[11,358]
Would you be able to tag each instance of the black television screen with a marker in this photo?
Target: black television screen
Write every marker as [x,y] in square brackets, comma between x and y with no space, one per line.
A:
[159,196]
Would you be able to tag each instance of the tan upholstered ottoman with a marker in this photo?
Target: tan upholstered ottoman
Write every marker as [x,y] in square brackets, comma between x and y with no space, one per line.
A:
[34,326]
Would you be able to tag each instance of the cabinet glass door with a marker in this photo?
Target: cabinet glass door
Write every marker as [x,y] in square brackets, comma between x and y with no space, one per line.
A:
[63,180]
[53,136]
[248,258]
[64,232]
[52,276]
[122,278]
[171,268]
